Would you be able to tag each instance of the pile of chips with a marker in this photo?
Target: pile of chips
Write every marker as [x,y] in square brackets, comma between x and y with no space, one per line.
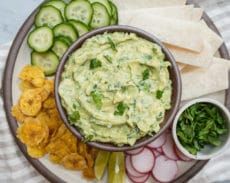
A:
[41,128]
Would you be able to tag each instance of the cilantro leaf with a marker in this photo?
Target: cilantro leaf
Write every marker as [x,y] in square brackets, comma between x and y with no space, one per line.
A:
[199,125]
[121,107]
[75,116]
[145,74]
[97,99]
[159,94]
[95,63]
[112,44]
[108,58]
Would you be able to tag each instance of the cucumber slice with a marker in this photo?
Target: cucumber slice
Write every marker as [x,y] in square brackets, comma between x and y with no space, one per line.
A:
[64,39]
[79,10]
[105,3]
[114,15]
[48,61]
[59,48]
[60,5]
[48,15]
[101,16]
[41,39]
[65,29]
[79,26]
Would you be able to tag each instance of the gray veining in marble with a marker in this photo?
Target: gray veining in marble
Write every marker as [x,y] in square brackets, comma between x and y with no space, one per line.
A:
[12,14]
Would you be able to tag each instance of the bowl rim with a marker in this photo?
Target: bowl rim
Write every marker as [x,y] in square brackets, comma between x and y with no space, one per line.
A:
[142,34]
[175,122]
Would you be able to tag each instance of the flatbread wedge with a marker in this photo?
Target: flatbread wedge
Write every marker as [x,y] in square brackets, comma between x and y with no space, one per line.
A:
[203,81]
[175,12]
[180,33]
[137,4]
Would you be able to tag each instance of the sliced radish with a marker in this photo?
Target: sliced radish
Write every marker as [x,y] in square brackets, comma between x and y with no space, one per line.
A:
[142,179]
[181,155]
[168,148]
[158,142]
[144,161]
[165,170]
[159,149]
[129,168]
[135,151]
[156,153]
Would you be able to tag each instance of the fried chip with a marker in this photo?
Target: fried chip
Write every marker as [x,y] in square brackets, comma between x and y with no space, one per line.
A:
[49,103]
[17,113]
[36,152]
[30,102]
[57,150]
[52,123]
[49,86]
[33,133]
[60,132]
[25,85]
[89,173]
[89,159]
[70,141]
[42,129]
[33,74]
[44,94]
[74,161]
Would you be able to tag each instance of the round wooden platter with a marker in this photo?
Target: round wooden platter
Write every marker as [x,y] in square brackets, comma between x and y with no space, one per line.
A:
[9,92]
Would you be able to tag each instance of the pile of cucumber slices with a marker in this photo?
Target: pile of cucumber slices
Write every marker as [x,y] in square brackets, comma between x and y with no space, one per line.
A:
[58,24]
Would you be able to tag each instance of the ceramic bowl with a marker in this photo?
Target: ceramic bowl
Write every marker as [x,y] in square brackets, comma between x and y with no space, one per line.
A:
[174,76]
[207,152]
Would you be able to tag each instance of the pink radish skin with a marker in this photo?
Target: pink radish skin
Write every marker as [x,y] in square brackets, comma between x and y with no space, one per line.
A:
[142,179]
[168,148]
[156,153]
[181,155]
[158,142]
[144,161]
[159,149]
[165,170]
[129,168]
[135,151]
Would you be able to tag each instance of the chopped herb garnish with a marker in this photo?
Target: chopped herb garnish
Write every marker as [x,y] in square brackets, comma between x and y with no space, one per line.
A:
[199,125]
[75,116]
[154,49]
[112,44]
[95,63]
[88,138]
[159,94]
[74,106]
[108,58]
[97,99]
[145,74]
[148,57]
[121,107]
[124,88]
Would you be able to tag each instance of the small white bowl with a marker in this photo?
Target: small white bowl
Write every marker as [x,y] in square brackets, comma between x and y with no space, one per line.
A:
[207,152]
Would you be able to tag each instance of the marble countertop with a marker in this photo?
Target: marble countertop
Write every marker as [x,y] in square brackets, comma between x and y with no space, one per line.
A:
[12,14]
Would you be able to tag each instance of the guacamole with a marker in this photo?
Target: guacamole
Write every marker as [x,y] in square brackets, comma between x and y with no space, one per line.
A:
[116,88]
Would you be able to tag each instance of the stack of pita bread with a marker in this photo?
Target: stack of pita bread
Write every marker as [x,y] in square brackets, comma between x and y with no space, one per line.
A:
[192,43]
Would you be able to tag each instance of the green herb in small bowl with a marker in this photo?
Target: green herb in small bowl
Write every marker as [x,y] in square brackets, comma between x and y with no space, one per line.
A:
[201,128]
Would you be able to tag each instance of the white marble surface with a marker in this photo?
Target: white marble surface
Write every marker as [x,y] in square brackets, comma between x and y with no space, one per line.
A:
[12,14]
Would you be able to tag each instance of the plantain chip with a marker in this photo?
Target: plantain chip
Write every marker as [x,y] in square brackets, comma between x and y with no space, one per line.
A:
[17,113]
[33,133]
[33,74]
[30,102]
[36,152]
[49,103]
[25,85]
[89,173]
[74,161]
